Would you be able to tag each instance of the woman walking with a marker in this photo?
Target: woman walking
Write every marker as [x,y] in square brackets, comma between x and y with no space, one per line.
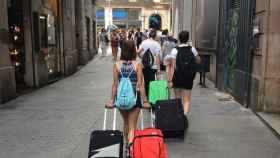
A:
[128,67]
[183,59]
[103,41]
[114,44]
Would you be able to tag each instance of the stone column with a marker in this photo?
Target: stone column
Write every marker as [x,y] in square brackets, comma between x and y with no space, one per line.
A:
[108,16]
[187,22]
[81,32]
[94,31]
[271,89]
[29,67]
[7,72]
[68,27]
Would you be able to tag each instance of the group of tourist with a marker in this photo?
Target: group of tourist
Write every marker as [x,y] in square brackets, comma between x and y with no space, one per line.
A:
[143,56]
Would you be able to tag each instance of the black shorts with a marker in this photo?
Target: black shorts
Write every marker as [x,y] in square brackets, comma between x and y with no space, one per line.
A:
[149,75]
[183,81]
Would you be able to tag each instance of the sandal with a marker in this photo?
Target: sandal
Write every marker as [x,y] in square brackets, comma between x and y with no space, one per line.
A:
[127,150]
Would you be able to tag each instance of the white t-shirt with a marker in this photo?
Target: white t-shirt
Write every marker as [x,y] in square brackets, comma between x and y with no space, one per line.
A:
[154,47]
[174,52]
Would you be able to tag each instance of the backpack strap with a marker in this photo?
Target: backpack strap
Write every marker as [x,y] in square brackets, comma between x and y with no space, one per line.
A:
[132,69]
[132,66]
[119,67]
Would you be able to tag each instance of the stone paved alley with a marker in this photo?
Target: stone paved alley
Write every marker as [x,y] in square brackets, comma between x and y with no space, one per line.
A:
[56,121]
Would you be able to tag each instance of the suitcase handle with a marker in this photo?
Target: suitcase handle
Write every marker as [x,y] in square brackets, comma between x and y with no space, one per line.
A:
[142,118]
[105,119]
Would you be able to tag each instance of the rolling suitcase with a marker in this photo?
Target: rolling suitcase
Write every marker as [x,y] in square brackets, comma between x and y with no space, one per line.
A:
[106,143]
[148,142]
[170,118]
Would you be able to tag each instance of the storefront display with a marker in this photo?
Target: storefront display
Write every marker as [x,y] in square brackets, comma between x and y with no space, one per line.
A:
[46,38]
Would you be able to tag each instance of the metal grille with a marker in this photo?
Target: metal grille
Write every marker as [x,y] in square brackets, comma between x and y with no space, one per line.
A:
[235,39]
[235,4]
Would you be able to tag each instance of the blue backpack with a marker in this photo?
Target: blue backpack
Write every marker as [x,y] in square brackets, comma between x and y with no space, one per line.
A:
[126,98]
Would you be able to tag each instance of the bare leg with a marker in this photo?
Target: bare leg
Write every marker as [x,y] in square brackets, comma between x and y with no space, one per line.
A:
[178,93]
[132,123]
[114,52]
[186,100]
[125,124]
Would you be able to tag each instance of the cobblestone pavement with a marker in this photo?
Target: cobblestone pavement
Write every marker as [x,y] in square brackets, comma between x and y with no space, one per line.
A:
[56,121]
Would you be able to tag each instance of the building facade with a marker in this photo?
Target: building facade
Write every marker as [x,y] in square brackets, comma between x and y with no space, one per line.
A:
[242,39]
[133,13]
[200,18]
[265,65]
[46,40]
[182,16]
[248,54]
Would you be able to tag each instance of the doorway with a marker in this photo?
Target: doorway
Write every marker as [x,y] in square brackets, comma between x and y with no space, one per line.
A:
[16,41]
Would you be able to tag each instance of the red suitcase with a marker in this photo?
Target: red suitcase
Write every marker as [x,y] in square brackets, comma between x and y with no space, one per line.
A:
[148,143]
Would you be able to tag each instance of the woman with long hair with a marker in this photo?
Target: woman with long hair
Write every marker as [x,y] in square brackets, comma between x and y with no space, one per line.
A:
[127,66]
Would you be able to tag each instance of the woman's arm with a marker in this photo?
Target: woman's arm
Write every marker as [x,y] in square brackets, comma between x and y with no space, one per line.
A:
[114,86]
[158,62]
[196,54]
[171,72]
[198,59]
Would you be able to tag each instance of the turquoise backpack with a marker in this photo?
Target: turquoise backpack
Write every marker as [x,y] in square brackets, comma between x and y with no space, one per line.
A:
[126,98]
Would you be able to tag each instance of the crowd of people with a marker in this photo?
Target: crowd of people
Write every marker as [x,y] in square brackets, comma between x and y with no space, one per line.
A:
[144,55]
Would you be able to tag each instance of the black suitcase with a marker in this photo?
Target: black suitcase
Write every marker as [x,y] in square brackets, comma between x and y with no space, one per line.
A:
[106,143]
[170,118]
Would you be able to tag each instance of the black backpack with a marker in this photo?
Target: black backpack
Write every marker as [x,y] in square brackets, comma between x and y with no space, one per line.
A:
[148,59]
[185,61]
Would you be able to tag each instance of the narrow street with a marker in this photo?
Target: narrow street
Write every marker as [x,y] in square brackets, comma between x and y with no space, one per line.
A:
[56,121]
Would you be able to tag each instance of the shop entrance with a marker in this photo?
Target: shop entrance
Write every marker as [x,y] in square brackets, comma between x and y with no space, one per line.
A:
[16,41]
[53,57]
[46,28]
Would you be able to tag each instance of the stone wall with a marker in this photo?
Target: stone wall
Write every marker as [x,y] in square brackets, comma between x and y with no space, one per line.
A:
[265,78]
[71,36]
[272,67]
[7,74]
[84,19]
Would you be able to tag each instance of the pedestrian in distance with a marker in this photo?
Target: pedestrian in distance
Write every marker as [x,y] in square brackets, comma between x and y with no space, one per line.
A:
[183,60]
[164,36]
[138,37]
[122,36]
[114,44]
[130,34]
[145,34]
[103,41]
[149,52]
[167,45]
[128,68]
